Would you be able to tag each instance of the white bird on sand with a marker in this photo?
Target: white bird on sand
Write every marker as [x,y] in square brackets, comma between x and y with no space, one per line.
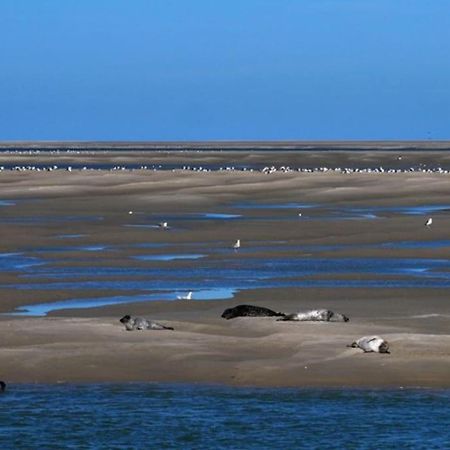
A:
[164,225]
[429,222]
[185,297]
[237,244]
[299,214]
[130,212]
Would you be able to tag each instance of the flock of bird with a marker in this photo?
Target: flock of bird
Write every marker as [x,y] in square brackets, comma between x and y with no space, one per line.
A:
[265,170]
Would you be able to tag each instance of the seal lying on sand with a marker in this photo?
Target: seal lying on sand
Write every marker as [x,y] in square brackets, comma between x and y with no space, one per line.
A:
[249,311]
[139,323]
[316,315]
[371,344]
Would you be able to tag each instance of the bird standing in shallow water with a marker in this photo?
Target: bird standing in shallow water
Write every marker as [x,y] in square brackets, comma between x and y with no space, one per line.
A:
[185,297]
[237,244]
[429,222]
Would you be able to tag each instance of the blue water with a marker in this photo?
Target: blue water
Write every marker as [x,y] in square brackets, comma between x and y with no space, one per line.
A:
[247,273]
[81,248]
[169,257]
[7,203]
[153,416]
[222,216]
[41,309]
[11,262]
[312,211]
[217,270]
[153,220]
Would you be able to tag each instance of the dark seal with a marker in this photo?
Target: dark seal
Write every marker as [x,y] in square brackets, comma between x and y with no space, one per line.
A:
[249,311]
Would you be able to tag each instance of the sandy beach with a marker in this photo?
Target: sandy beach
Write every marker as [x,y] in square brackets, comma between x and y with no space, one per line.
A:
[87,345]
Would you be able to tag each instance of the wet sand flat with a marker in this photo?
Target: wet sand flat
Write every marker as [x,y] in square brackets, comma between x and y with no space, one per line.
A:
[67,218]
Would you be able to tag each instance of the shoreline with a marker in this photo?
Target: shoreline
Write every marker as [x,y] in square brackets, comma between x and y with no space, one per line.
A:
[221,386]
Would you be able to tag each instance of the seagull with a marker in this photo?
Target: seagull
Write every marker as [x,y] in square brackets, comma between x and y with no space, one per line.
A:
[130,212]
[185,297]
[163,225]
[429,222]
[299,214]
[237,244]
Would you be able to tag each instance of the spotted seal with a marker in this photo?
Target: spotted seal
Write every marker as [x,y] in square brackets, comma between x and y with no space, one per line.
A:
[139,323]
[371,344]
[249,311]
[316,315]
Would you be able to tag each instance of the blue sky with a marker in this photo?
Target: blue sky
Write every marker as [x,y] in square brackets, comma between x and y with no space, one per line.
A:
[224,69]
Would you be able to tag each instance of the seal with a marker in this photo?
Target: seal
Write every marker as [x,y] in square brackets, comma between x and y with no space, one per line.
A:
[139,323]
[371,344]
[316,315]
[249,311]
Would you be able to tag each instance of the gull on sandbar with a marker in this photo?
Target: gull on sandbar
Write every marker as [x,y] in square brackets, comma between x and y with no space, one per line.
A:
[429,222]
[163,225]
[188,296]
[237,244]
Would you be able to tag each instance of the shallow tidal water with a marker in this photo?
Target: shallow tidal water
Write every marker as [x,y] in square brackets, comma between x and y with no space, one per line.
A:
[150,416]
[213,270]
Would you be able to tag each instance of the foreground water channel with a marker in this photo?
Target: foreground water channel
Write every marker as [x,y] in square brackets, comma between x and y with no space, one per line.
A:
[205,417]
